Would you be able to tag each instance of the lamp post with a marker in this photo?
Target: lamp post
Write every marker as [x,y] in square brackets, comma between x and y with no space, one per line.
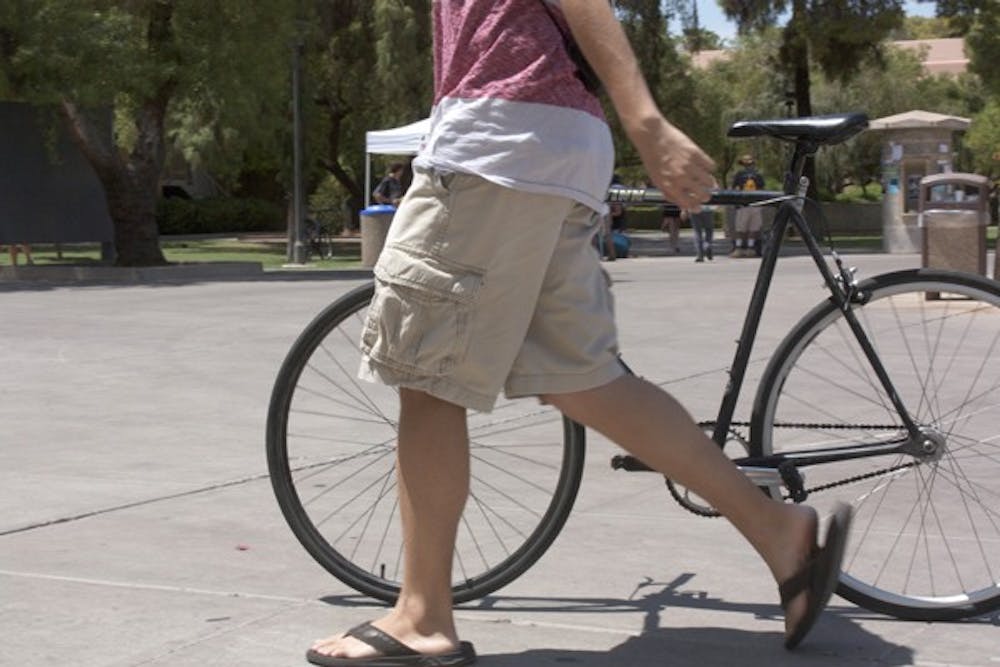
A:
[297,252]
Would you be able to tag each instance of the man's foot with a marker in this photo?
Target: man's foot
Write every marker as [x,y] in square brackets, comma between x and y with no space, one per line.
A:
[737,253]
[366,643]
[805,593]
[708,253]
[699,258]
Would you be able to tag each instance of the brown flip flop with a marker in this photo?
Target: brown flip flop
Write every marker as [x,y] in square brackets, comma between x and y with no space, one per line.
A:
[393,653]
[818,577]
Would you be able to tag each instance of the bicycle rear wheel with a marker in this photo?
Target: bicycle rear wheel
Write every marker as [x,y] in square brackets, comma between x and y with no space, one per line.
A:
[331,442]
[925,544]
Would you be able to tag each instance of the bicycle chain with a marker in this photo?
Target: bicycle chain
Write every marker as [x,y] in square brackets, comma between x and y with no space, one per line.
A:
[859,478]
[820,426]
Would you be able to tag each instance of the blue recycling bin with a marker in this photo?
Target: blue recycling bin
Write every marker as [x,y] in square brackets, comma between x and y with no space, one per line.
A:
[375,221]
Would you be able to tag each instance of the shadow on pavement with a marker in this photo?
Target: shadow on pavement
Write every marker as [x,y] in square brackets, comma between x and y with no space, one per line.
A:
[720,647]
[836,640]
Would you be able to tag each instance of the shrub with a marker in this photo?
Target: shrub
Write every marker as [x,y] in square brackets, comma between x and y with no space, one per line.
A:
[856,194]
[219,215]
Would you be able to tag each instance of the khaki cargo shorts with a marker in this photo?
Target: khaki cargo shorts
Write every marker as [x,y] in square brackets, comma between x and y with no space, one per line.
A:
[749,219]
[482,289]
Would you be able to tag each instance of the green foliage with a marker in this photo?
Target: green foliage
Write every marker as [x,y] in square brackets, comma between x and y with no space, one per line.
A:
[369,69]
[983,42]
[922,27]
[219,215]
[897,85]
[207,76]
[327,204]
[666,71]
[859,194]
[741,86]
[983,141]
[837,35]
[845,34]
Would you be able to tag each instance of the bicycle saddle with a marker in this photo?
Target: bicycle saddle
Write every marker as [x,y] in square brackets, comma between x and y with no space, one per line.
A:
[831,129]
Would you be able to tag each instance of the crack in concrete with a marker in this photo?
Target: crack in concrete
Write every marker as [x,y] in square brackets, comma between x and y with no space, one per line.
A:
[137,503]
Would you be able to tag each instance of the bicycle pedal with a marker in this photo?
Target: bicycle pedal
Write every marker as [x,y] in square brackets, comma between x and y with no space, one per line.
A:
[628,464]
[793,481]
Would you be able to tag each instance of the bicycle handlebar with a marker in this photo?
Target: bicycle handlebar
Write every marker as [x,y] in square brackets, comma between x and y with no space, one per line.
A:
[718,198]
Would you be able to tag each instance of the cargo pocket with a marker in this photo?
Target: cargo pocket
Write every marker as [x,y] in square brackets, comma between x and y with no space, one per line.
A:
[418,322]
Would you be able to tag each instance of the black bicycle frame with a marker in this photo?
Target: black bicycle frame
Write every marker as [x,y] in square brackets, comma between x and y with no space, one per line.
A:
[842,297]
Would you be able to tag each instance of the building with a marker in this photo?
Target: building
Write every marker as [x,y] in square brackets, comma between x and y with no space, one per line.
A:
[940,56]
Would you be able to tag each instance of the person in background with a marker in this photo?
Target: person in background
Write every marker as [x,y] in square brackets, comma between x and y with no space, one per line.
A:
[491,285]
[671,224]
[16,248]
[749,219]
[390,189]
[703,224]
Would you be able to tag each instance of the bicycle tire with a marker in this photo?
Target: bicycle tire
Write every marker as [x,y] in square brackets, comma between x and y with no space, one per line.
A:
[925,542]
[331,458]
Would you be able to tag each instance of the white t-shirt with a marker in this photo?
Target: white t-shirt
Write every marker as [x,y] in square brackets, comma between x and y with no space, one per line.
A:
[508,105]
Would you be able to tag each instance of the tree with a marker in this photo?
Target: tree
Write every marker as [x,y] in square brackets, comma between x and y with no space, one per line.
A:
[983,141]
[694,37]
[197,69]
[370,68]
[740,87]
[896,85]
[922,27]
[835,35]
[667,74]
[981,21]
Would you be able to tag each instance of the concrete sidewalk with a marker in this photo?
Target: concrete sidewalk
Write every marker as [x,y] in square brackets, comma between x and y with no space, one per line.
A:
[139,527]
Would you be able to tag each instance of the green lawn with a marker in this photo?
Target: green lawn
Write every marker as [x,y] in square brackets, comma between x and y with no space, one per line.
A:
[270,253]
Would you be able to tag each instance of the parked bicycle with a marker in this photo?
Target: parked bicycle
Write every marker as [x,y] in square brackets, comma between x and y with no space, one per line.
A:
[883,396]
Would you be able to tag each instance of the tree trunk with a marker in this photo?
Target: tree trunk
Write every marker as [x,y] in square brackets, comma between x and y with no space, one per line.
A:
[133,209]
[356,196]
[131,186]
[132,183]
[796,48]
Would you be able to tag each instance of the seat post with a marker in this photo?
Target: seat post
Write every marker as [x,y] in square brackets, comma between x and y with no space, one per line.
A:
[803,150]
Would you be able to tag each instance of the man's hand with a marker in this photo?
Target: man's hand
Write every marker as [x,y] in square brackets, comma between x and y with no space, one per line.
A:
[675,164]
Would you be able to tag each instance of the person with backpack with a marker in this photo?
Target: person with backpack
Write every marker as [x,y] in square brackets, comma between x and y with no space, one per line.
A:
[749,219]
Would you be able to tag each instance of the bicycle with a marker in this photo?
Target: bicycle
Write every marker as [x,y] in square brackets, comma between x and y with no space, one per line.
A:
[913,453]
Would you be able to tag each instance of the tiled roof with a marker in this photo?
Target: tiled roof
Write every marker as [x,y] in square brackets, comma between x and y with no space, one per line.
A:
[943,56]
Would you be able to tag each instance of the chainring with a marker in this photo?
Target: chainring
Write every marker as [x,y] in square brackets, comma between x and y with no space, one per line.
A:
[690,500]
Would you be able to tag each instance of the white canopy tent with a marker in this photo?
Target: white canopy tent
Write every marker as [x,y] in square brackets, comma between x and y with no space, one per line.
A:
[405,140]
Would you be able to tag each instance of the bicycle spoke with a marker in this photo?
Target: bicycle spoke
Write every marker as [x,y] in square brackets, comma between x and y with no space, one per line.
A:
[332,458]
[926,538]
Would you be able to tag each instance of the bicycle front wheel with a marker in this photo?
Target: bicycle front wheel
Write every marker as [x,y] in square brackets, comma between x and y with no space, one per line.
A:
[925,544]
[331,443]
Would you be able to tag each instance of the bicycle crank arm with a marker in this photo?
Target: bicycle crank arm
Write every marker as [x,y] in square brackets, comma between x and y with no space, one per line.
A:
[759,475]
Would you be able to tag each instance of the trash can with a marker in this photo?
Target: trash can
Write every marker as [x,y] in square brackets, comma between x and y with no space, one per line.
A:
[953,214]
[375,221]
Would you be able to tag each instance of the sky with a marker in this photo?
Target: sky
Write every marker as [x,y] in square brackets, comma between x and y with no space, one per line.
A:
[712,18]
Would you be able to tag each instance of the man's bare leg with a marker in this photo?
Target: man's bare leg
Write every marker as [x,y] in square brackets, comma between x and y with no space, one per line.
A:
[433,472]
[654,427]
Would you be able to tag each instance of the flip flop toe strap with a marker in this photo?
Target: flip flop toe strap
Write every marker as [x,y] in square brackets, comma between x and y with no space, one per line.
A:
[384,643]
[792,587]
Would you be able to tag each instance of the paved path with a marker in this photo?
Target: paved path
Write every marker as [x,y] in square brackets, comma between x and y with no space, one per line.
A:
[138,526]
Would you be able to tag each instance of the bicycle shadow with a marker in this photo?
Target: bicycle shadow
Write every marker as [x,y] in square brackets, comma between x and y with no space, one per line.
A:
[715,647]
[838,638]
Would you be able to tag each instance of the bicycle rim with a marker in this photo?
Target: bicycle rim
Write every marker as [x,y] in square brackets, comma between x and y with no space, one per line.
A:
[925,543]
[331,442]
